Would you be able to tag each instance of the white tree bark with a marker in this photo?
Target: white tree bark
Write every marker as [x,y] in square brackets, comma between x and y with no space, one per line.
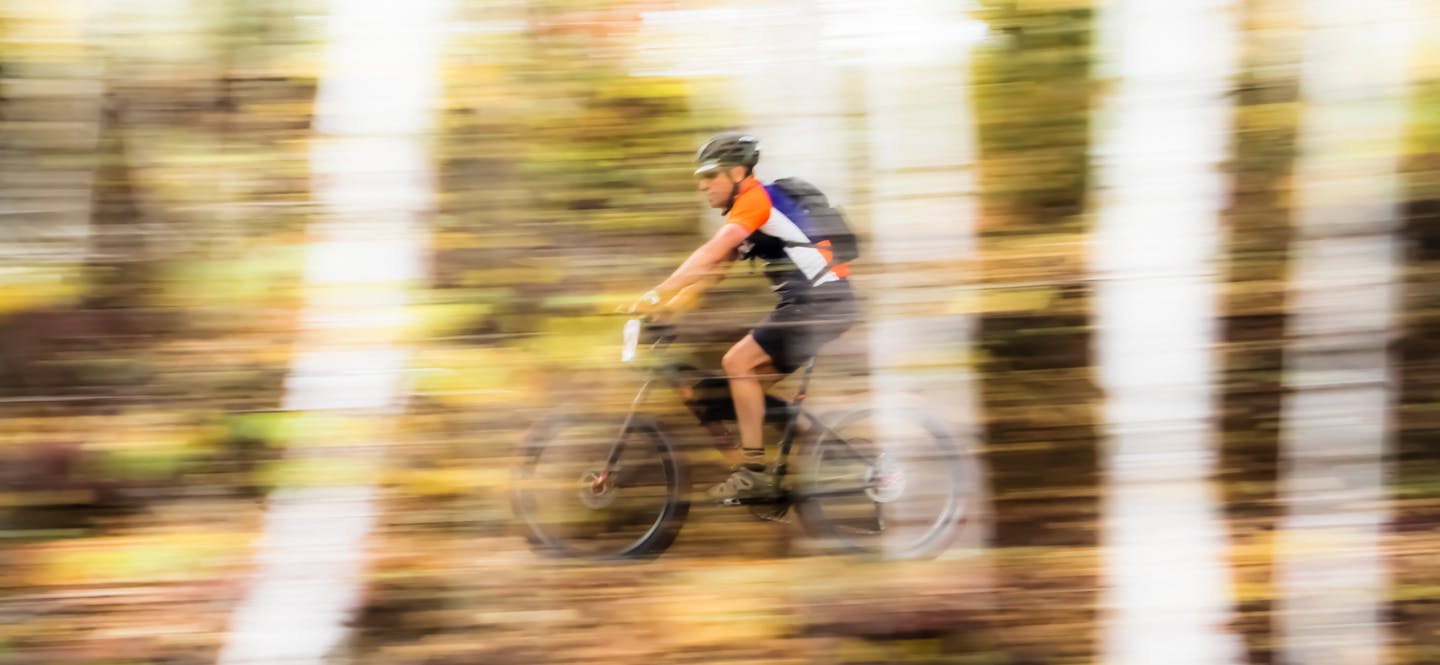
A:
[1330,571]
[920,141]
[1160,138]
[373,178]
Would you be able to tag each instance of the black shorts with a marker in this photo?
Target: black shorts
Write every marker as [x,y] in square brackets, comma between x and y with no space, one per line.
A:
[794,332]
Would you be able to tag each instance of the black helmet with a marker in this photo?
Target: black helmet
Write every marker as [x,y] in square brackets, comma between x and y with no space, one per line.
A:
[728,149]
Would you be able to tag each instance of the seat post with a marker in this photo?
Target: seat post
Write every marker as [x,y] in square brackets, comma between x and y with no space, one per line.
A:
[804,380]
[792,421]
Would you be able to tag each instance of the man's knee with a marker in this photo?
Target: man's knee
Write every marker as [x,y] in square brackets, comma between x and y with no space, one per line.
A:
[735,362]
[743,358]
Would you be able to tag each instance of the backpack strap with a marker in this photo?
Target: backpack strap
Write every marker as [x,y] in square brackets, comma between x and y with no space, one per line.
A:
[830,266]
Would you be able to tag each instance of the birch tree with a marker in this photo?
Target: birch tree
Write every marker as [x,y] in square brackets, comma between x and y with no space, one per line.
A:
[1335,437]
[1162,134]
[372,178]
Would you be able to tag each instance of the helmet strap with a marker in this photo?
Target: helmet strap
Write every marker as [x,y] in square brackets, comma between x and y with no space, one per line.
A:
[734,193]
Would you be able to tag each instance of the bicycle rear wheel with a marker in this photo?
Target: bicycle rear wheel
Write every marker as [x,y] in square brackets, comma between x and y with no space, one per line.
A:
[885,482]
[571,507]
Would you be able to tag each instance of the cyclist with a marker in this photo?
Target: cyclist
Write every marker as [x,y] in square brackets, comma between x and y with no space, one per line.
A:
[815,304]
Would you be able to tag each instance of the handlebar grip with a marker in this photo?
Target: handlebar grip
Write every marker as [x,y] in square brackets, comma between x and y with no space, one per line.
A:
[657,331]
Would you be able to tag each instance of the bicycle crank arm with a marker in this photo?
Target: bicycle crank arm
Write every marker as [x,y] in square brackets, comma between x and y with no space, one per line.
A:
[756,500]
[840,491]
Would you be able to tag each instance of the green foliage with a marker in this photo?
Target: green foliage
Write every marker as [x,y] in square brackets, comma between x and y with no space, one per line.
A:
[1032,97]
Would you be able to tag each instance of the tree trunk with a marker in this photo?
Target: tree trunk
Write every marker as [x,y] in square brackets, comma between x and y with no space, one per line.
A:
[1336,414]
[1414,611]
[1163,135]
[1033,100]
[372,175]
[1255,308]
[1415,483]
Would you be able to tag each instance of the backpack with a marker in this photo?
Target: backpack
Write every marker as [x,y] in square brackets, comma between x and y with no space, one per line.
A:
[820,220]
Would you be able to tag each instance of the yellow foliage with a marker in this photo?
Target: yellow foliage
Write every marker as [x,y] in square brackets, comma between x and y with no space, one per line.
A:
[165,557]
[320,472]
[447,481]
[455,371]
[24,288]
[443,319]
[653,87]
[1004,300]
[1054,5]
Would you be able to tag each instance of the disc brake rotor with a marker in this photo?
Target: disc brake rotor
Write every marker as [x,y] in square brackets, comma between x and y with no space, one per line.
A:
[594,492]
[886,480]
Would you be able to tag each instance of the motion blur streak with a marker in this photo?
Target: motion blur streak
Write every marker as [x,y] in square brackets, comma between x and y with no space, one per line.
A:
[286,287]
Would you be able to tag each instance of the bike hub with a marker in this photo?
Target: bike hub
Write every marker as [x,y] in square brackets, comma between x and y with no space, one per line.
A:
[886,480]
[597,489]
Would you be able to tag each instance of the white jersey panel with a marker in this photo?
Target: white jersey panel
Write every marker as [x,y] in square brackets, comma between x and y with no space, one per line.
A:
[809,260]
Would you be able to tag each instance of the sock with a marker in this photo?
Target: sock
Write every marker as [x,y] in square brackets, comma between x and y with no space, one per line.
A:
[754,459]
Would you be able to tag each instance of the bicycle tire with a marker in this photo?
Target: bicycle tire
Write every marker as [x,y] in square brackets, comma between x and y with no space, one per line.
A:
[856,521]
[579,521]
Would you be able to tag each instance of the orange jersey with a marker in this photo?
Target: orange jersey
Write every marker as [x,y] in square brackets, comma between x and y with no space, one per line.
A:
[795,259]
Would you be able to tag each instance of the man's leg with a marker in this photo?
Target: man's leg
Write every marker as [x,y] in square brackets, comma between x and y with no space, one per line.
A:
[750,372]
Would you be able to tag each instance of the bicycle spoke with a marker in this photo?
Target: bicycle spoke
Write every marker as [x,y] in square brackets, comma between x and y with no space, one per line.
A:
[573,504]
[907,475]
[852,448]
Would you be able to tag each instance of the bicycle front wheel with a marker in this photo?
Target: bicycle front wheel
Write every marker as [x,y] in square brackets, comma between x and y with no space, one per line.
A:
[887,482]
[571,504]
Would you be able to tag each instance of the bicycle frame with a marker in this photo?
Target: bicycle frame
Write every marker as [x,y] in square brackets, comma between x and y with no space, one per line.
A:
[861,453]
[672,373]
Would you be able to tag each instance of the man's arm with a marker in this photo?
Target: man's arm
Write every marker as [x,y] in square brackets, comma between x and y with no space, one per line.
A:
[686,299]
[707,260]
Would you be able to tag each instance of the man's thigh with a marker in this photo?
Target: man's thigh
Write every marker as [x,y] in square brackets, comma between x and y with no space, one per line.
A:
[794,332]
[748,354]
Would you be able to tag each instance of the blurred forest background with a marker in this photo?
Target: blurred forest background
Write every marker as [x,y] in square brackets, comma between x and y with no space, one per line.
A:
[161,206]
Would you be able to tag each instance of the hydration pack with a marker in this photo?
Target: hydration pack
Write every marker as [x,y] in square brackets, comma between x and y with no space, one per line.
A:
[821,221]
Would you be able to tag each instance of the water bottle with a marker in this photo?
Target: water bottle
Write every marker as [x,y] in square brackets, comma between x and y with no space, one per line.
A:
[632,339]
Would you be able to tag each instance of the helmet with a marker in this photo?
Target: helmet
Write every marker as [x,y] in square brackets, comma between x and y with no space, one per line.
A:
[728,149]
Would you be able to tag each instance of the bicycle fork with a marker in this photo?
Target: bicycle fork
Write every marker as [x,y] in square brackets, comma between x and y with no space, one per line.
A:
[618,447]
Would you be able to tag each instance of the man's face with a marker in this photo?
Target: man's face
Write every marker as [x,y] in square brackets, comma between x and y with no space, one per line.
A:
[718,185]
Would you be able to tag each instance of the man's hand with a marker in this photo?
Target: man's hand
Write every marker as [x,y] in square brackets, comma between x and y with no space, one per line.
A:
[648,304]
[705,267]
[689,297]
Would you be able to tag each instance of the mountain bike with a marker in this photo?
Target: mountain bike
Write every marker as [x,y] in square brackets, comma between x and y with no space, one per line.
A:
[881,481]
